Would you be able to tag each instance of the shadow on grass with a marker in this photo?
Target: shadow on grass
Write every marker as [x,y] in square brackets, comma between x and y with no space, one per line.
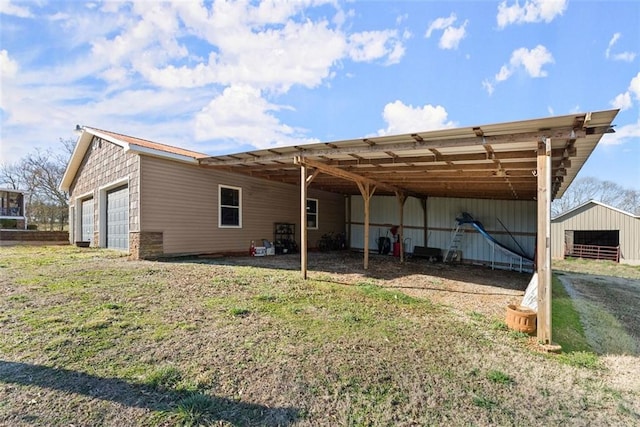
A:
[191,407]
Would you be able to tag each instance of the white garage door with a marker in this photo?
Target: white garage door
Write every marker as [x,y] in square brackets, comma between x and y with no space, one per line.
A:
[118,219]
[86,218]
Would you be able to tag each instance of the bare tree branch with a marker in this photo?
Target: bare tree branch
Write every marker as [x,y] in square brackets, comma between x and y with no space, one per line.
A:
[607,192]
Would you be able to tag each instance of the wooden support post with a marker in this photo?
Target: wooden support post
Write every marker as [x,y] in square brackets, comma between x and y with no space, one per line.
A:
[543,267]
[303,220]
[367,190]
[423,203]
[349,219]
[402,198]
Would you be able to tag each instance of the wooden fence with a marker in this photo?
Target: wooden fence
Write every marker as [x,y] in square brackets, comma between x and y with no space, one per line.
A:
[611,253]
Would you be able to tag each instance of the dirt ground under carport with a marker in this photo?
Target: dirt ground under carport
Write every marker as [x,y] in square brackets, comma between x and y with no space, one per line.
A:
[463,287]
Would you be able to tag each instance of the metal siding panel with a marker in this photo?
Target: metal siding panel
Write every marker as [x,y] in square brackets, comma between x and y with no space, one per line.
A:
[596,217]
[443,211]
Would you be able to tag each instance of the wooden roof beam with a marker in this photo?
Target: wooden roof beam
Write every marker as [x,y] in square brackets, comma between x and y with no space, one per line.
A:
[337,172]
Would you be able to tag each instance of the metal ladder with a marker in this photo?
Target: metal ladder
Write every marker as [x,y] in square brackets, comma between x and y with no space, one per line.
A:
[452,252]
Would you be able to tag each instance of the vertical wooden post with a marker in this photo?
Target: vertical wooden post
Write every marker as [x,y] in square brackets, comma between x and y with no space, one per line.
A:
[402,198]
[367,191]
[543,267]
[423,203]
[303,220]
[349,220]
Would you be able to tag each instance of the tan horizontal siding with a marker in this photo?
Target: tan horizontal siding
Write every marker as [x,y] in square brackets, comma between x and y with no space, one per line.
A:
[182,202]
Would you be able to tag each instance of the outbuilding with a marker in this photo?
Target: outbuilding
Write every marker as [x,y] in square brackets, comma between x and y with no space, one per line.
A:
[151,199]
[595,230]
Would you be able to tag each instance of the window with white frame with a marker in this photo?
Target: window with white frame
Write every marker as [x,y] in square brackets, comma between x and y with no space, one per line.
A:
[312,213]
[230,207]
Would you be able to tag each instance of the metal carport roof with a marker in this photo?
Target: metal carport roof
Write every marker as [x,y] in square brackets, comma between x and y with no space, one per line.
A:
[495,161]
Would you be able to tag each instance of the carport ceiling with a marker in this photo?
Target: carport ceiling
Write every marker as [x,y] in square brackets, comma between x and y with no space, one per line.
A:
[497,161]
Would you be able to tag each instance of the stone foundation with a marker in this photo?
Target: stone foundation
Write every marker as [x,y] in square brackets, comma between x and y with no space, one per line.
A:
[146,244]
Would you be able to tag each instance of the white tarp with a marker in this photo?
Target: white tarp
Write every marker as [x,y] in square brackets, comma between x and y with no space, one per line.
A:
[530,299]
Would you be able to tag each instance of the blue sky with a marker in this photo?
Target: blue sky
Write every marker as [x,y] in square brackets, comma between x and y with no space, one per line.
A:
[222,77]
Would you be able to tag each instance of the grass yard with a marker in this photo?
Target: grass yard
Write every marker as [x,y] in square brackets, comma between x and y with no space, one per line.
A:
[89,338]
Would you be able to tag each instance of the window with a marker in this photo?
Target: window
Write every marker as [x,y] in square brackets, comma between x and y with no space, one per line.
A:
[312,213]
[230,212]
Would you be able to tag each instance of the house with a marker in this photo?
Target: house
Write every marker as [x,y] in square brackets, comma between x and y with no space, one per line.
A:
[597,231]
[12,209]
[153,200]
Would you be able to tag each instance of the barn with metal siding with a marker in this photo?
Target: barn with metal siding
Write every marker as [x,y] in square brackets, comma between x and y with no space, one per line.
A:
[593,230]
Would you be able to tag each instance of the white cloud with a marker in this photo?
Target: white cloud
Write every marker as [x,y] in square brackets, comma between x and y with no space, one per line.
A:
[624,100]
[504,73]
[368,46]
[8,67]
[634,86]
[532,11]
[623,134]
[622,56]
[7,7]
[441,24]
[402,118]
[451,35]
[243,48]
[246,52]
[488,86]
[531,61]
[242,114]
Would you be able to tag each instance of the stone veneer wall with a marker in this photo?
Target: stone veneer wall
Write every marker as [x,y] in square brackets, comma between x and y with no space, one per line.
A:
[105,163]
[146,244]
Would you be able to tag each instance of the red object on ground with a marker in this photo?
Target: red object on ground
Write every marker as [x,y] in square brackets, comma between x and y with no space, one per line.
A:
[396,249]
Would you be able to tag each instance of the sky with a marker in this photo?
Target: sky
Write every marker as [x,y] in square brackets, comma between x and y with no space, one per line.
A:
[221,77]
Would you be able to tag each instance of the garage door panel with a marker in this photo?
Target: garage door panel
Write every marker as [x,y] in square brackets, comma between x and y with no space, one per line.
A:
[86,220]
[118,219]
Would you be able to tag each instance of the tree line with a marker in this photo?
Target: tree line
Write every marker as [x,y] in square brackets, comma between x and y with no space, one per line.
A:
[39,174]
[583,190]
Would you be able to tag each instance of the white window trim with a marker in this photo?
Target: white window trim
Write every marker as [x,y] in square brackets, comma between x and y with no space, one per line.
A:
[316,215]
[239,189]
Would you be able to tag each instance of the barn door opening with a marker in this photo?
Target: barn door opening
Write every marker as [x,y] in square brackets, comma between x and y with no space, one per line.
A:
[597,238]
[593,244]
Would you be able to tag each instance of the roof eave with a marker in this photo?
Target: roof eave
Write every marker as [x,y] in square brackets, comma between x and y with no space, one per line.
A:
[162,154]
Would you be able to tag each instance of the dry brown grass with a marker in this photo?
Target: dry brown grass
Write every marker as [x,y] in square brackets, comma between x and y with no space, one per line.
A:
[92,339]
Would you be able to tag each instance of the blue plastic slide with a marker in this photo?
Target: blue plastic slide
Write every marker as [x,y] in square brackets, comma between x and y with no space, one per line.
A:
[468,219]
